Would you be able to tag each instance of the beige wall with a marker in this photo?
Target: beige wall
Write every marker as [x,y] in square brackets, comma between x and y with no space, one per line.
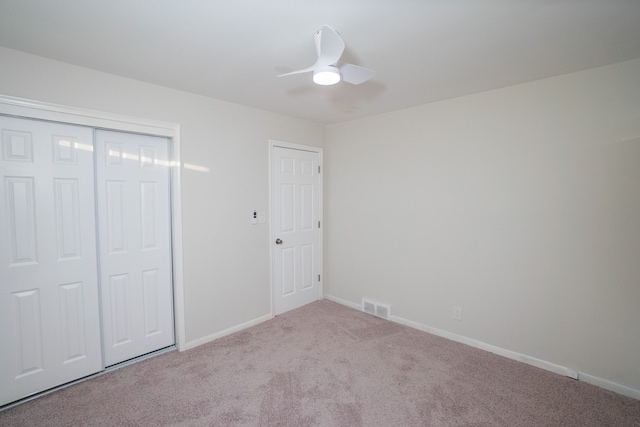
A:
[226,259]
[520,205]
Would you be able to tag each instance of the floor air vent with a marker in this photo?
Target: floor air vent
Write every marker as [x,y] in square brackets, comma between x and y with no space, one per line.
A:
[375,308]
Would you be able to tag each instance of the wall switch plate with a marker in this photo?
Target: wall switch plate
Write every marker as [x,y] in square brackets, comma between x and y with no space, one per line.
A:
[457,313]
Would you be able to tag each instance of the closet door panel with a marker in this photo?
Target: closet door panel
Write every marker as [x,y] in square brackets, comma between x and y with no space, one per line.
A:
[135,252]
[49,310]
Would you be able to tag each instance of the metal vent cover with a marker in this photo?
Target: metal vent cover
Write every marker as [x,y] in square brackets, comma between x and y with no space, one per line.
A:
[376,309]
[368,307]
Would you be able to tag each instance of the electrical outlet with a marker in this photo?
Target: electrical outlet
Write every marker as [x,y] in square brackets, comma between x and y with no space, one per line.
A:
[457,313]
[572,374]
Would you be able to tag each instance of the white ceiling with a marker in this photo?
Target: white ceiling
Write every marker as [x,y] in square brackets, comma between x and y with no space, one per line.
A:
[422,50]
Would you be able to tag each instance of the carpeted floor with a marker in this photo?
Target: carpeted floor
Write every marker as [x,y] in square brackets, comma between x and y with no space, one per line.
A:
[328,365]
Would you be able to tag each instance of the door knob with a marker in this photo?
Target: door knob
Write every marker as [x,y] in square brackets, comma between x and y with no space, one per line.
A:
[278,241]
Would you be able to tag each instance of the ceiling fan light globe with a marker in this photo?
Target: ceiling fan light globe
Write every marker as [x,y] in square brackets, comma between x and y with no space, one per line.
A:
[326,76]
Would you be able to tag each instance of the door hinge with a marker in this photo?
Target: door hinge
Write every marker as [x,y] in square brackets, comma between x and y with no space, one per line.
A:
[318,277]
[318,168]
[318,224]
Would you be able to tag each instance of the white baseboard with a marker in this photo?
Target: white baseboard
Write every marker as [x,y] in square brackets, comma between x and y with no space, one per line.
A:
[343,302]
[609,385]
[538,363]
[483,346]
[228,331]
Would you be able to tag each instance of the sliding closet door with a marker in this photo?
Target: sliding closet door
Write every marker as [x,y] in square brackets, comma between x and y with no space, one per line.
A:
[135,244]
[49,311]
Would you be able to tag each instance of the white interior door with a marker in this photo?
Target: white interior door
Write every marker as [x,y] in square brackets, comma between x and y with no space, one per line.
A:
[49,313]
[135,244]
[295,206]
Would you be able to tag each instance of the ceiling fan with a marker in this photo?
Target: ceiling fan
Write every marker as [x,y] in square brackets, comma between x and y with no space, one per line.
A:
[327,70]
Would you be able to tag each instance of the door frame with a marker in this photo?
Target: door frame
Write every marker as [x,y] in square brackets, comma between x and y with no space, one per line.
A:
[31,109]
[272,237]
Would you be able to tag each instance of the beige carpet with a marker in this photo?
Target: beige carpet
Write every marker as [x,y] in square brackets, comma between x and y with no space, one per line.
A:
[328,365]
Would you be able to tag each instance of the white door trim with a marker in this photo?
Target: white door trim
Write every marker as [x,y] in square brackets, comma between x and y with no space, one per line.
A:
[272,237]
[27,108]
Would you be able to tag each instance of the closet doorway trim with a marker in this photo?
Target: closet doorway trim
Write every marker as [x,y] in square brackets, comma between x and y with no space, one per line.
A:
[27,108]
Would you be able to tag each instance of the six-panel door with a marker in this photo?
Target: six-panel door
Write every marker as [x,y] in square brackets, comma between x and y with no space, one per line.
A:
[295,211]
[135,244]
[49,313]
[51,294]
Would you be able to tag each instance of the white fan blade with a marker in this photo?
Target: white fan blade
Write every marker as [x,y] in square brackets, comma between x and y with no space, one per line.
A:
[355,74]
[331,47]
[306,70]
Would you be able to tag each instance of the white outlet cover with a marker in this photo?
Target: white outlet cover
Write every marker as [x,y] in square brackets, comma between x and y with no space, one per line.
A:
[572,374]
[457,313]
